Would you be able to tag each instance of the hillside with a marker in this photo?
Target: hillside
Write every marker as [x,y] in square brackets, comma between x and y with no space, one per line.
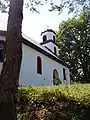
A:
[54,102]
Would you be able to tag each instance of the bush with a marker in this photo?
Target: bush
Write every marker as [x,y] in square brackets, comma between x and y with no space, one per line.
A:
[57,81]
[54,102]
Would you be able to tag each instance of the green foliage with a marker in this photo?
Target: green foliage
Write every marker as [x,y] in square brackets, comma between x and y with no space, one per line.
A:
[73,38]
[54,102]
[75,6]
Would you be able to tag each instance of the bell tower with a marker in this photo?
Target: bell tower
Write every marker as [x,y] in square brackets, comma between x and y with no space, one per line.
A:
[49,34]
[48,41]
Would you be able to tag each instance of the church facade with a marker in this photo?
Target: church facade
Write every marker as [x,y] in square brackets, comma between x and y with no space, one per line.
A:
[41,64]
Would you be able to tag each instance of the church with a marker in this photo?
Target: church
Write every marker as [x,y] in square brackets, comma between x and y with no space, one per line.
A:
[41,63]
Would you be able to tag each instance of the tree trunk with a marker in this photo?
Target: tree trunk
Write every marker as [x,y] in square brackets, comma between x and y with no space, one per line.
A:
[9,79]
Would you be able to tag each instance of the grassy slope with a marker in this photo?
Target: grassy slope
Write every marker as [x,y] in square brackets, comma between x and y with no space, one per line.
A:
[62,102]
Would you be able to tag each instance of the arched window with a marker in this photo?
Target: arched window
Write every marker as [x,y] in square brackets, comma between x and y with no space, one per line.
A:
[55,74]
[54,38]
[39,65]
[44,38]
[55,77]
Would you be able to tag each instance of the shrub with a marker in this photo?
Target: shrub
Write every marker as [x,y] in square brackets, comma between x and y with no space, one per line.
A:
[57,81]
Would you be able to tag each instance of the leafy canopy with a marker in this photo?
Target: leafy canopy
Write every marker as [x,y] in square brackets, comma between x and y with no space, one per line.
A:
[75,6]
[73,38]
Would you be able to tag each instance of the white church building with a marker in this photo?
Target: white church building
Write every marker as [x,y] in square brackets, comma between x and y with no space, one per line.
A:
[41,64]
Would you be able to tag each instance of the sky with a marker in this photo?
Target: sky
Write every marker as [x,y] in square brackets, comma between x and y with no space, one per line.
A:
[35,23]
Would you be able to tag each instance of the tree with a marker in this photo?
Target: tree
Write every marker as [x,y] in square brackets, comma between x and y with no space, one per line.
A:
[13,54]
[75,6]
[73,38]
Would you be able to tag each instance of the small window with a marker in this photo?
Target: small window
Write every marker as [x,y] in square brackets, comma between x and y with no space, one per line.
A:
[53,38]
[1,51]
[44,38]
[55,50]
[64,74]
[39,65]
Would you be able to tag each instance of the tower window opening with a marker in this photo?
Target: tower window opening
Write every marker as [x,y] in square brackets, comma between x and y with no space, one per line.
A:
[55,50]
[54,38]
[44,38]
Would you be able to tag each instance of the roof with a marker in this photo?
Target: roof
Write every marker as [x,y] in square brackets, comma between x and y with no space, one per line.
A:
[47,41]
[38,47]
[48,30]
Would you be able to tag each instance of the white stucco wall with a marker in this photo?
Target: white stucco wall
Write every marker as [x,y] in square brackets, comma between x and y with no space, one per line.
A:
[28,74]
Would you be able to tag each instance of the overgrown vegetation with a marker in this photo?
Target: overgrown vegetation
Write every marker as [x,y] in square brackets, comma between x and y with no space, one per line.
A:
[54,102]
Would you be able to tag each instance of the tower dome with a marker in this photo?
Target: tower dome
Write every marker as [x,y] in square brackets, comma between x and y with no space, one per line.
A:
[48,34]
